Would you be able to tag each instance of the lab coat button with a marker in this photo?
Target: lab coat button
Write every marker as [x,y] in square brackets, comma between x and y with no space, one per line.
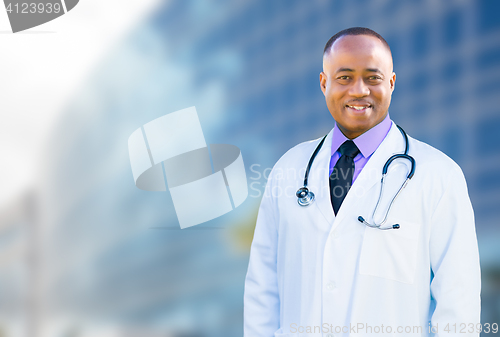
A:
[330,286]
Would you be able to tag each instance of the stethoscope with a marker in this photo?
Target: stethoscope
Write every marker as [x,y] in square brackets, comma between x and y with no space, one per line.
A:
[306,197]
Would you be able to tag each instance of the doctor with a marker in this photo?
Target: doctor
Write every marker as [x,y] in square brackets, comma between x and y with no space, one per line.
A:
[316,269]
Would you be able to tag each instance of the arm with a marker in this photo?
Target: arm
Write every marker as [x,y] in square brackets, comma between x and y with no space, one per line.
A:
[454,256]
[261,300]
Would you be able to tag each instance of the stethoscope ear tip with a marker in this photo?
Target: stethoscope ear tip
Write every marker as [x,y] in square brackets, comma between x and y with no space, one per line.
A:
[362,220]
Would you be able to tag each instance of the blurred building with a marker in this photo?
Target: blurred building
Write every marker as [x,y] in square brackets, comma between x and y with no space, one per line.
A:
[108,259]
[19,267]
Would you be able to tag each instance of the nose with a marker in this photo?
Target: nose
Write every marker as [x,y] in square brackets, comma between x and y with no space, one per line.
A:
[359,88]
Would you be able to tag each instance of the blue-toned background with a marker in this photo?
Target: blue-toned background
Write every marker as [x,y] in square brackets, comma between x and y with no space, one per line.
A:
[95,256]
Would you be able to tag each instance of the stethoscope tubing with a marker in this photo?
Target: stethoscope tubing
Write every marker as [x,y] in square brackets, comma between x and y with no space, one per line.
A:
[306,197]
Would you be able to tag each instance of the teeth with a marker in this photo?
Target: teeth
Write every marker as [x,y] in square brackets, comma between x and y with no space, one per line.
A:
[358,107]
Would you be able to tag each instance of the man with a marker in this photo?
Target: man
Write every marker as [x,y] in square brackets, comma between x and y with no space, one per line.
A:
[318,270]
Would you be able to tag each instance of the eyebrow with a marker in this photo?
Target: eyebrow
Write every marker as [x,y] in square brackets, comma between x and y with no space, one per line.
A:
[371,70]
[344,69]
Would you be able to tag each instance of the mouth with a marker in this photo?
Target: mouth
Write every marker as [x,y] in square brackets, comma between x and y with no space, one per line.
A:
[358,108]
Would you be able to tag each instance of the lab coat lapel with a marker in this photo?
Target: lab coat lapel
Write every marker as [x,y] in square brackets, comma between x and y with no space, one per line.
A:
[318,180]
[372,172]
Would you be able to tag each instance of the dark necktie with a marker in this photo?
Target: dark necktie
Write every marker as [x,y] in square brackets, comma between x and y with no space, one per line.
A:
[341,177]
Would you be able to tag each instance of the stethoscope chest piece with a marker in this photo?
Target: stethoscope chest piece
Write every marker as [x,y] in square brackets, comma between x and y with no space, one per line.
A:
[304,196]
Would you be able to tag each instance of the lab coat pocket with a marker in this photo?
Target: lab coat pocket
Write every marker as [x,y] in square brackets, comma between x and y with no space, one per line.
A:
[390,254]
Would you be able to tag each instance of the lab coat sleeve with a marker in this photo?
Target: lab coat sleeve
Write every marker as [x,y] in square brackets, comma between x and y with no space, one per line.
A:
[261,299]
[456,281]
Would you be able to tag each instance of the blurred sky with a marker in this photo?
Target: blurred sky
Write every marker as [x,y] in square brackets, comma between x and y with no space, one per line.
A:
[39,70]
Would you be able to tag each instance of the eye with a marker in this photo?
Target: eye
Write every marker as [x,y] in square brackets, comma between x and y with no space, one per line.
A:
[374,78]
[343,77]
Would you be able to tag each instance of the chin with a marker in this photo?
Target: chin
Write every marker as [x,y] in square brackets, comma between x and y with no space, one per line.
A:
[358,127]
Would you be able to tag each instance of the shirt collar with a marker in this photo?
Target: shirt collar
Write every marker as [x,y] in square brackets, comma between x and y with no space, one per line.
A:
[367,142]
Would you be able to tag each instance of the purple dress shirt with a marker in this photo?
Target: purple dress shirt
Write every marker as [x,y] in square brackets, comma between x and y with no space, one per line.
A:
[367,143]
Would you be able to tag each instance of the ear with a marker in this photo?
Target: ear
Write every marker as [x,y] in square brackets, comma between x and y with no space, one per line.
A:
[392,81]
[322,81]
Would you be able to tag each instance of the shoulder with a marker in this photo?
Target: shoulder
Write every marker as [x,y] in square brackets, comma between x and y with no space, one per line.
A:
[433,161]
[294,160]
[299,154]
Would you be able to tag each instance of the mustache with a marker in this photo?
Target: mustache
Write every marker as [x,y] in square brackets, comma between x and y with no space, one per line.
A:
[359,102]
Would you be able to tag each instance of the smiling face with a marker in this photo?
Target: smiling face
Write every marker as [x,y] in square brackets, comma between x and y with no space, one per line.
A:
[357,81]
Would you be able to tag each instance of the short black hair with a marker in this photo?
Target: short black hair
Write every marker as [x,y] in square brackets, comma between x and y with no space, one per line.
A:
[355,31]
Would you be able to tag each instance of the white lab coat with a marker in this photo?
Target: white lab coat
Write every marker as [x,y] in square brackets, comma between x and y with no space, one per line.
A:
[312,273]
